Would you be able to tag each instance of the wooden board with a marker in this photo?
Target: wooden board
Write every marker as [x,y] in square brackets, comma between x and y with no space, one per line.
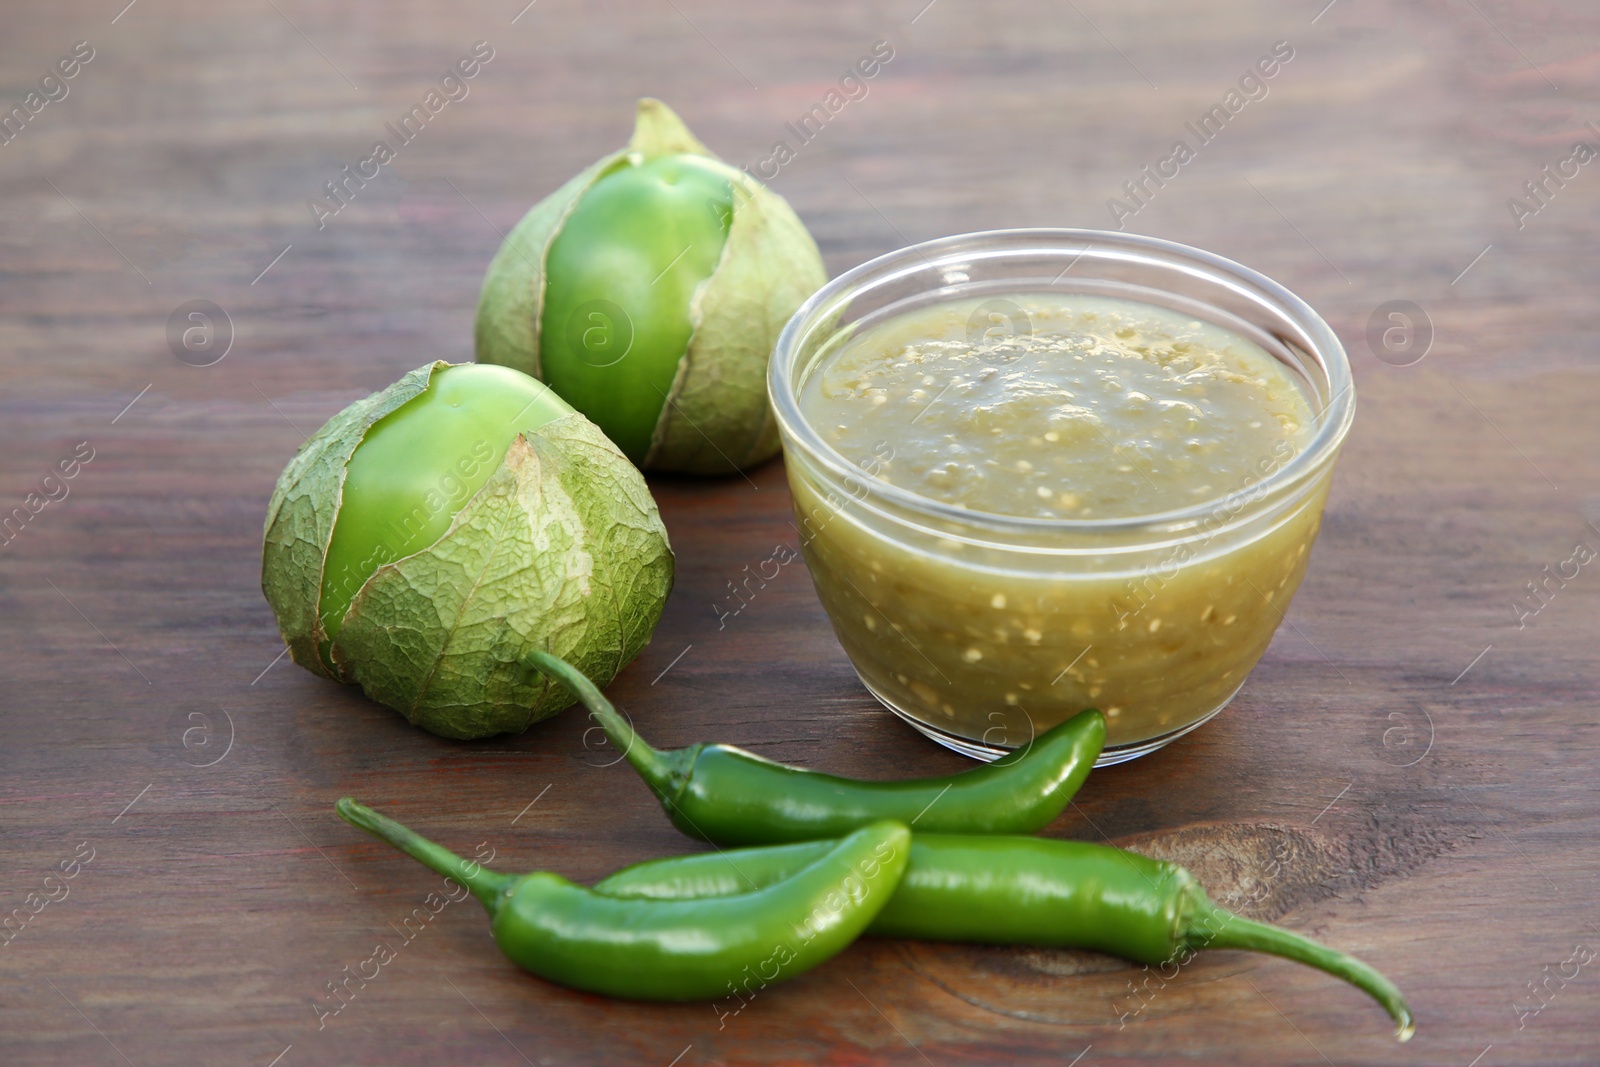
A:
[1408,774]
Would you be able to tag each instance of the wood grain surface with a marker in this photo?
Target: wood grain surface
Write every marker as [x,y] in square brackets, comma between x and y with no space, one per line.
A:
[1408,775]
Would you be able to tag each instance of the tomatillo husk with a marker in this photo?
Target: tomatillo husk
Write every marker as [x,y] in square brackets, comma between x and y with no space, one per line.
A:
[615,353]
[550,540]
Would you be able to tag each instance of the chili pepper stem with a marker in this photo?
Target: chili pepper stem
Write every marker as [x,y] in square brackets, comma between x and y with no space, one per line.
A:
[1211,926]
[488,886]
[664,771]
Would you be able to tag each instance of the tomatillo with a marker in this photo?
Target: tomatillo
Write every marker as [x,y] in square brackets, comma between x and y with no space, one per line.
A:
[648,291]
[429,536]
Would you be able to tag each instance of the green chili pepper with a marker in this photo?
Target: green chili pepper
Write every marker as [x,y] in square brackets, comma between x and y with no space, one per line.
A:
[731,797]
[1024,890]
[685,949]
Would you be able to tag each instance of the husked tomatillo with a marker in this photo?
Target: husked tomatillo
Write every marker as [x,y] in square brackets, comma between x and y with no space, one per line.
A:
[429,535]
[648,291]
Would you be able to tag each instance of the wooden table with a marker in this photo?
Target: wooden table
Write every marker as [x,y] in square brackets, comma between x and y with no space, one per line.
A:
[1407,775]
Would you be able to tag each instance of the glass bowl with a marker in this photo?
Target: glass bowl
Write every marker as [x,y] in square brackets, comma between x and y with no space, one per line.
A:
[982,630]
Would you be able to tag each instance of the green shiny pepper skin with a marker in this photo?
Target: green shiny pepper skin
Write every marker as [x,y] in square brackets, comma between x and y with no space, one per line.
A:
[997,889]
[1005,889]
[679,949]
[732,797]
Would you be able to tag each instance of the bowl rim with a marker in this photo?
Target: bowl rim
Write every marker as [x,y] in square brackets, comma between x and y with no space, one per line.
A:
[947,252]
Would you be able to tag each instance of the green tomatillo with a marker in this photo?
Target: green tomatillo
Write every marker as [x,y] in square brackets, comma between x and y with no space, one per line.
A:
[430,535]
[648,291]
